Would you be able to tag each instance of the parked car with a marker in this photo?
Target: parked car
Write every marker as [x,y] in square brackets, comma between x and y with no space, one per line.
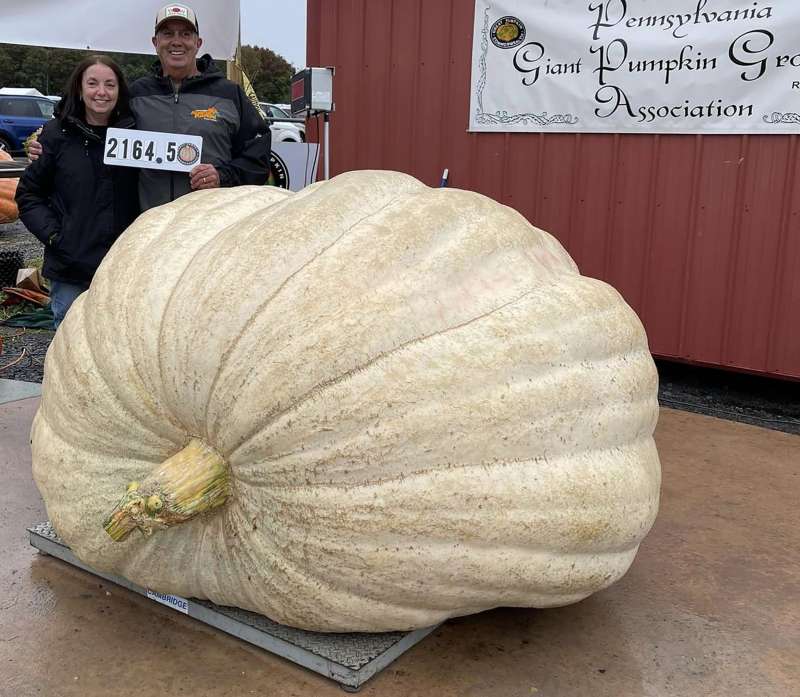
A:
[20,116]
[283,131]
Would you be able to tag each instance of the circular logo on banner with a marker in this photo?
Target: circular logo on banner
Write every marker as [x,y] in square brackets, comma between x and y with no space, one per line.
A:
[278,172]
[507,32]
[188,154]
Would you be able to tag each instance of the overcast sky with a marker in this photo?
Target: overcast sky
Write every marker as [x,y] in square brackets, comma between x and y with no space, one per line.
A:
[279,25]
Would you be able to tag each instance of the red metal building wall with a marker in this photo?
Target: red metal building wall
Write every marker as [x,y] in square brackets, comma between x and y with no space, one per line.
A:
[700,234]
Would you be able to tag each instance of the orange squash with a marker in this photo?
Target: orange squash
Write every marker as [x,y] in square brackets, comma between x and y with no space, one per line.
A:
[8,187]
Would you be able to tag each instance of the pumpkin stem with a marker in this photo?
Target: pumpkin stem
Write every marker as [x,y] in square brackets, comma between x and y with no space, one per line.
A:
[192,481]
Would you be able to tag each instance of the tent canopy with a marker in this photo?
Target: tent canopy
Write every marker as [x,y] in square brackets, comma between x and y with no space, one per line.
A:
[124,27]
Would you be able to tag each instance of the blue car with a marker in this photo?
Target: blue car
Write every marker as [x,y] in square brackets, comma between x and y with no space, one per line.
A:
[19,117]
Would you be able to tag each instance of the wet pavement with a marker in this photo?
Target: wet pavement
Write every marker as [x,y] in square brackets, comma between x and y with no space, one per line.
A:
[711,605]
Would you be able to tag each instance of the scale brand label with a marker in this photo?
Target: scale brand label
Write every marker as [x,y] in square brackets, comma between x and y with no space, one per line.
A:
[173,601]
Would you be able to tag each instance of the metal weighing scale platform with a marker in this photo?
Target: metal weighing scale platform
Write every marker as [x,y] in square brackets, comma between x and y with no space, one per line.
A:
[348,659]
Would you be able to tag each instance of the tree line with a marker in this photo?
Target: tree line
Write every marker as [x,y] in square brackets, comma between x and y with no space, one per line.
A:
[48,69]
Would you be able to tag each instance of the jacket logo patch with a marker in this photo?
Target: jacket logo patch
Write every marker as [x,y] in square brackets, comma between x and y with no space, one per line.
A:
[209,114]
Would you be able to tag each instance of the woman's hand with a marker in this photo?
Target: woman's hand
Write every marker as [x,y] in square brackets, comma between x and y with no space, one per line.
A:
[34,150]
[33,147]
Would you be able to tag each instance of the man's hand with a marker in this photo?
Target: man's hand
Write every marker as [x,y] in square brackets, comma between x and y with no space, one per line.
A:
[204,176]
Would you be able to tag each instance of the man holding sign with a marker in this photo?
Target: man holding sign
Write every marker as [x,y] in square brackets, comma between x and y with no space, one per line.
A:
[191,97]
[195,129]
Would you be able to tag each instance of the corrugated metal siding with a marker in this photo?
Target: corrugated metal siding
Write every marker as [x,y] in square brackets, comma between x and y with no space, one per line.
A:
[700,234]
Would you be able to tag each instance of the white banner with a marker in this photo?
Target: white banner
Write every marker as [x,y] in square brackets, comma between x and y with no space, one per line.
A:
[636,66]
[99,25]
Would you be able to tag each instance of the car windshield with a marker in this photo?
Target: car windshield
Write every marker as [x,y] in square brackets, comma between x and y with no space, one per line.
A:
[46,107]
[278,113]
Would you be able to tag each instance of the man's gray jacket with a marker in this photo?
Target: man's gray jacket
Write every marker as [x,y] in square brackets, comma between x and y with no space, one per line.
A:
[236,140]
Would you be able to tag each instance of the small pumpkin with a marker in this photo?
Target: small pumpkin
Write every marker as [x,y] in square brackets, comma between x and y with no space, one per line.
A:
[369,405]
[8,187]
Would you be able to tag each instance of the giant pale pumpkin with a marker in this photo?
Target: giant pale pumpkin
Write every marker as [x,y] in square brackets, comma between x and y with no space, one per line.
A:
[8,187]
[369,405]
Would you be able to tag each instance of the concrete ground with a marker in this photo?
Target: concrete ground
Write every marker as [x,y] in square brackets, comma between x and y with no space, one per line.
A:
[711,605]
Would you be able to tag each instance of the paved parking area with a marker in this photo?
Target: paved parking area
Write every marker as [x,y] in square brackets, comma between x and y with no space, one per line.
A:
[711,605]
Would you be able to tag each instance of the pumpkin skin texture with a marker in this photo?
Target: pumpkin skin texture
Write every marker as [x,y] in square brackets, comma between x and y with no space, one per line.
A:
[8,187]
[426,410]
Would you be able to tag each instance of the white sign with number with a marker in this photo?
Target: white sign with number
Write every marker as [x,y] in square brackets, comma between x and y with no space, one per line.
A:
[152,150]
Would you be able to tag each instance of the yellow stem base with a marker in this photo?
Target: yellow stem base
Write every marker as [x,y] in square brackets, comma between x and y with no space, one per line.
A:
[192,481]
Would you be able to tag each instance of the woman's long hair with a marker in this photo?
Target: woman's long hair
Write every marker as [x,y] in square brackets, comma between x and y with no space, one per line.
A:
[71,103]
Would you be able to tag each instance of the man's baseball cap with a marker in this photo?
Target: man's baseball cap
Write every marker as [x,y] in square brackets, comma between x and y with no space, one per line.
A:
[176,11]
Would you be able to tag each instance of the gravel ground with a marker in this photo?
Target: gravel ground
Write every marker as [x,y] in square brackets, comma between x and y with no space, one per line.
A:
[749,399]
[22,350]
[15,236]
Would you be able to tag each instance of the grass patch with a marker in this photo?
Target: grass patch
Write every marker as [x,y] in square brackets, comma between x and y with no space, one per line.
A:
[7,311]
[36,262]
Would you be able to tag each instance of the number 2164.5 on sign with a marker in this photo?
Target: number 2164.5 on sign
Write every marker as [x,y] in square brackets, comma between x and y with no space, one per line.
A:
[152,150]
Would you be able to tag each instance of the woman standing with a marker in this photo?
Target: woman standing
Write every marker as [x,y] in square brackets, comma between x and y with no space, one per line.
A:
[73,203]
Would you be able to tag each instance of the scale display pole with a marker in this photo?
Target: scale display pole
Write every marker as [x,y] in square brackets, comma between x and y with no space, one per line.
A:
[327,132]
[312,94]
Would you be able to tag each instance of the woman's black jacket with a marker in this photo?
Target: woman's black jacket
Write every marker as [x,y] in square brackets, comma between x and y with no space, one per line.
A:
[73,203]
